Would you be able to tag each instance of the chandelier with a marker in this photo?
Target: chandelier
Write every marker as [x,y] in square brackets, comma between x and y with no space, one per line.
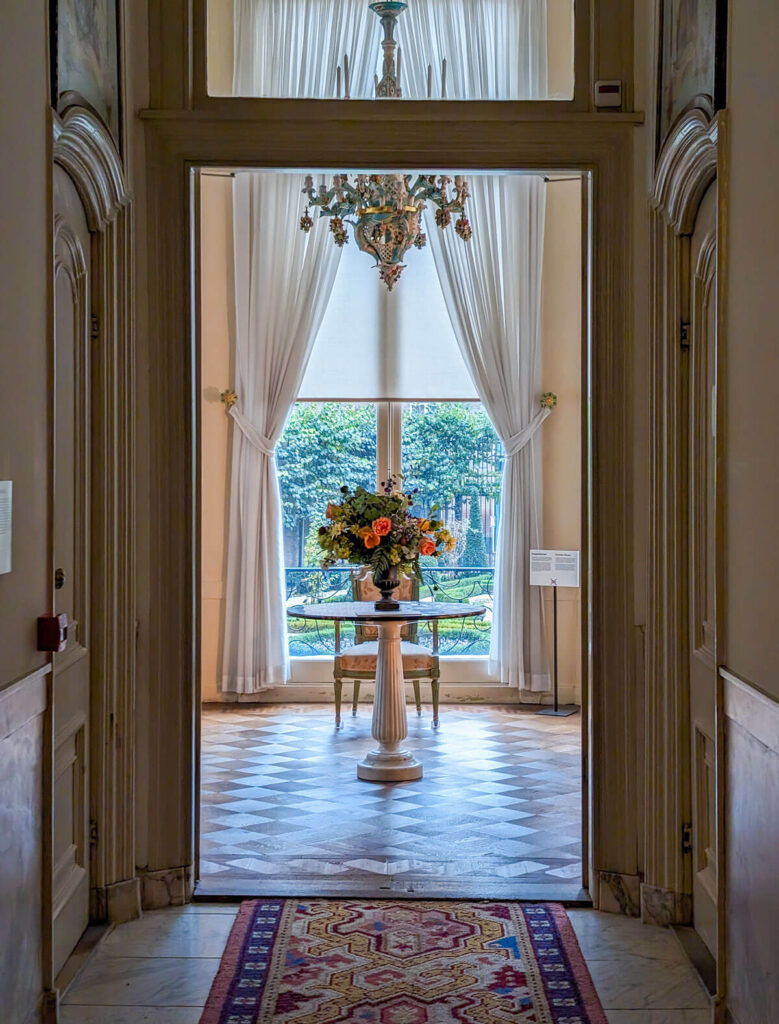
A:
[385,210]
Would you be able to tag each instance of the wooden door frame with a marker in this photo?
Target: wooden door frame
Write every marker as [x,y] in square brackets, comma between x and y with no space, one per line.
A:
[690,161]
[333,134]
[84,149]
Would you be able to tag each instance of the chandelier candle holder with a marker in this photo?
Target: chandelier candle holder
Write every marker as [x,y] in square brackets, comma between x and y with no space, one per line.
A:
[388,87]
[385,212]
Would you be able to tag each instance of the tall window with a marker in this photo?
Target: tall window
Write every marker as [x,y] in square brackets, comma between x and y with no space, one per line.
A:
[386,391]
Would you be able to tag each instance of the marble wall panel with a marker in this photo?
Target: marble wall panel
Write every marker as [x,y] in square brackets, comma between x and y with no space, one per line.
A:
[752,842]
[21,816]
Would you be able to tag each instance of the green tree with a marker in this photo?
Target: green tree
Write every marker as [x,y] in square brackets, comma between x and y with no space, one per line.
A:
[475,552]
[451,451]
[324,445]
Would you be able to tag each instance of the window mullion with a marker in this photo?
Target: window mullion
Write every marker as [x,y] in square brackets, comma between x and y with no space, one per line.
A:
[383,441]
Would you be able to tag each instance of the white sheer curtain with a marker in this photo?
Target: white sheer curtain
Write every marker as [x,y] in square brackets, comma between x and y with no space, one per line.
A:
[493,288]
[494,49]
[293,47]
[283,282]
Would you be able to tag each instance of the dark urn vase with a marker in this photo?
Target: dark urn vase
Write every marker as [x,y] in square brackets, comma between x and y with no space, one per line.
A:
[387,582]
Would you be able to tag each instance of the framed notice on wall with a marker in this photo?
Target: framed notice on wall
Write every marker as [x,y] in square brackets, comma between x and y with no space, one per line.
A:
[554,568]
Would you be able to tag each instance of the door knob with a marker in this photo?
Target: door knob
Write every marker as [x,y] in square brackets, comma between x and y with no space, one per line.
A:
[59,579]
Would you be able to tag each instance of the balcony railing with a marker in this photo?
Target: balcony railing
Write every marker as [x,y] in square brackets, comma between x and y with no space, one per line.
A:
[455,636]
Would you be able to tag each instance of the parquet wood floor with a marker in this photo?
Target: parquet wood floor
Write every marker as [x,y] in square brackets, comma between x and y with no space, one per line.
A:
[497,813]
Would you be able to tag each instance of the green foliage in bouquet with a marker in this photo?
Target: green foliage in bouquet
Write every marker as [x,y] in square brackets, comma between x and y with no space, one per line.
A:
[378,529]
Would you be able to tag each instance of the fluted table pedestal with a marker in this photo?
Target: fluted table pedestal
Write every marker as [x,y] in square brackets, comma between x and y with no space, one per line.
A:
[389,762]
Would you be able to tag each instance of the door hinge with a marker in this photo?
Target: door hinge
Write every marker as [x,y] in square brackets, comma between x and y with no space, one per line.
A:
[92,832]
[686,837]
[684,335]
[94,326]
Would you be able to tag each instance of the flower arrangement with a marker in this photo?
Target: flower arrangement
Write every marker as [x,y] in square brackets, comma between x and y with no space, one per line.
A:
[379,529]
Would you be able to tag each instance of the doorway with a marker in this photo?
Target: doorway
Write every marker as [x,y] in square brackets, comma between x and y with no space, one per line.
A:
[270,814]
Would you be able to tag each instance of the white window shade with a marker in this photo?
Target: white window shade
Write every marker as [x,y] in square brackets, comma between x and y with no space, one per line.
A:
[377,345]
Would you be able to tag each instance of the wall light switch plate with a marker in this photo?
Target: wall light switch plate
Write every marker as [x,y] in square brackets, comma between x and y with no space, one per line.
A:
[6,509]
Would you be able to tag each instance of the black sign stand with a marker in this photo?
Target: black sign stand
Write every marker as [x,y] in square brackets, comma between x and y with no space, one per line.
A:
[568,709]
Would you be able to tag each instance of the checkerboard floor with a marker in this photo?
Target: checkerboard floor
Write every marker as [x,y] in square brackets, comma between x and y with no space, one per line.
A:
[497,813]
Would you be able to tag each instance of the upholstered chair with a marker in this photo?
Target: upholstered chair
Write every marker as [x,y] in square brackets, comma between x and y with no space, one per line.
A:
[359,661]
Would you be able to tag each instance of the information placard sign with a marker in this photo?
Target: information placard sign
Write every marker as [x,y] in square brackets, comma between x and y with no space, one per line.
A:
[554,568]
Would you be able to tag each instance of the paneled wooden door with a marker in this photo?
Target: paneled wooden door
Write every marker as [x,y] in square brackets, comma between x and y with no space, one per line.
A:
[70,417]
[702,341]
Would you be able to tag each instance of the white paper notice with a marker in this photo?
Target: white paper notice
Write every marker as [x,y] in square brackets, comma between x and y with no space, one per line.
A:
[554,568]
[5,525]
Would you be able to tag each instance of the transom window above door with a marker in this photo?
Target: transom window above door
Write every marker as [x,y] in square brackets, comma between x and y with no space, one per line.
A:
[448,49]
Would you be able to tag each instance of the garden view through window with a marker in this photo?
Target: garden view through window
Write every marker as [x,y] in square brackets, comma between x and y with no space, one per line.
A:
[450,454]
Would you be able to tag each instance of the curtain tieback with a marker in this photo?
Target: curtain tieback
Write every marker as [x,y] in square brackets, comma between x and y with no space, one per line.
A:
[517,442]
[252,435]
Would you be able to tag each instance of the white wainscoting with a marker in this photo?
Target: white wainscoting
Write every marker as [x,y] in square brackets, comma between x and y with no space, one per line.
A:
[751,850]
[22,707]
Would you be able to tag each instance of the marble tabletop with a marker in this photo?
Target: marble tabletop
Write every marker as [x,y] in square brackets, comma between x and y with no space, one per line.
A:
[364,611]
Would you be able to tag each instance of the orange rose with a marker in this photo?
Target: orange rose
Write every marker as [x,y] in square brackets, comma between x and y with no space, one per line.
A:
[427,547]
[330,513]
[382,526]
[372,540]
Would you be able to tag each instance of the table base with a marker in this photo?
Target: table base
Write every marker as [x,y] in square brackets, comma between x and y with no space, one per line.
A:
[388,762]
[381,766]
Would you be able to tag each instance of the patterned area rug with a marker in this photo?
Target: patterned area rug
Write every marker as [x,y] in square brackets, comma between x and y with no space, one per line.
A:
[407,962]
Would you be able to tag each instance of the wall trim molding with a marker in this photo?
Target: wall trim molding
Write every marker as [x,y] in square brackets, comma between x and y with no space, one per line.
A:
[750,707]
[686,167]
[175,146]
[749,825]
[23,700]
[83,147]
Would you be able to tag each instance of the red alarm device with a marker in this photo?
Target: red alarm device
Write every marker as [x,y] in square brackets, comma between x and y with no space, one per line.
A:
[53,633]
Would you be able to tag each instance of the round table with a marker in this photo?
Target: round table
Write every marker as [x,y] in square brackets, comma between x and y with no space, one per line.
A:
[388,762]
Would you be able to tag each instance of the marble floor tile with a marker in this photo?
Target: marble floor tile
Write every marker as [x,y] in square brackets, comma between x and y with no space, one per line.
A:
[633,982]
[143,981]
[130,1014]
[660,1016]
[171,934]
[603,936]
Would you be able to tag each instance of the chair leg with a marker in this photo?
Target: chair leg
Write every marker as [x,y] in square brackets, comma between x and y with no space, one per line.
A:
[417,697]
[338,687]
[435,684]
[355,697]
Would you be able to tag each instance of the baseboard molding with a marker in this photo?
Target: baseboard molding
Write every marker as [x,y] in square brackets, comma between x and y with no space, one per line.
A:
[450,694]
[618,893]
[699,956]
[664,907]
[169,888]
[48,1009]
[116,903]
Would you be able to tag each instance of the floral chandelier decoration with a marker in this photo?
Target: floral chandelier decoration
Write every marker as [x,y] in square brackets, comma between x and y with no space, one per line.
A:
[385,210]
